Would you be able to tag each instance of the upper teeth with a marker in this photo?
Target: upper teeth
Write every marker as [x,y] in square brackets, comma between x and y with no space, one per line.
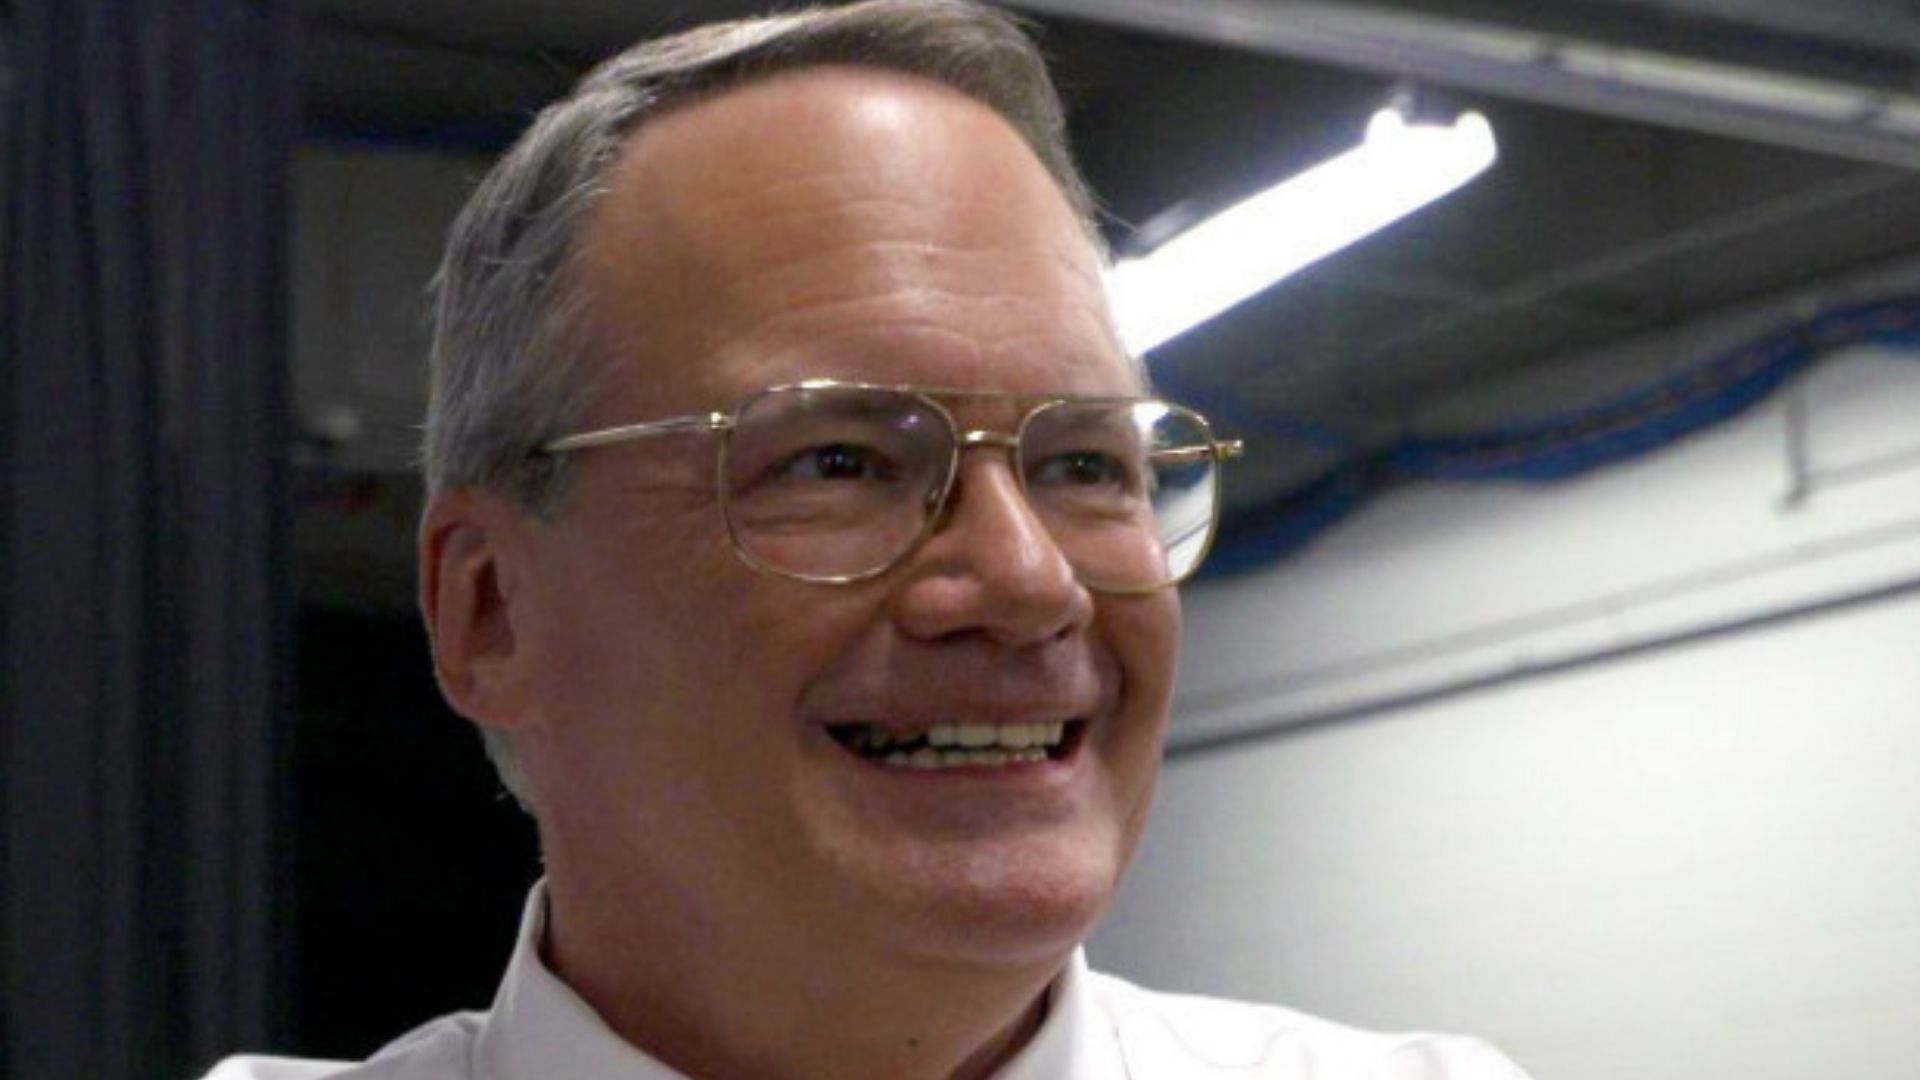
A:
[1009,736]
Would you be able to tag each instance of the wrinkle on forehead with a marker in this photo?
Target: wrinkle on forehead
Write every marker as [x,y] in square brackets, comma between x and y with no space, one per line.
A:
[1020,285]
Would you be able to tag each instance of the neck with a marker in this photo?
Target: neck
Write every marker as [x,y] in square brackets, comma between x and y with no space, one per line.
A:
[717,1003]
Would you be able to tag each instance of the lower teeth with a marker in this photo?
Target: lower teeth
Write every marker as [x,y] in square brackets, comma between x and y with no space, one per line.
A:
[925,758]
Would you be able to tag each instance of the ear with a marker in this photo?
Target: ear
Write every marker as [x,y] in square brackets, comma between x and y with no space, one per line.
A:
[466,583]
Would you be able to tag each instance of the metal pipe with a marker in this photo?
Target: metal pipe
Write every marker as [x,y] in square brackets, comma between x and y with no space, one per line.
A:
[1867,25]
[1501,61]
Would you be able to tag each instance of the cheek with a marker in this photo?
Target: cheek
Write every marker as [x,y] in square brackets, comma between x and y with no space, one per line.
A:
[744,645]
[1144,634]
[620,621]
[791,635]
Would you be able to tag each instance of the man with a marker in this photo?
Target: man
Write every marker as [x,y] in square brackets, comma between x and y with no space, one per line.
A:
[839,705]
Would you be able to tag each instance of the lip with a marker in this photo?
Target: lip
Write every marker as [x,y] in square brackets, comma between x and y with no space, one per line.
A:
[918,689]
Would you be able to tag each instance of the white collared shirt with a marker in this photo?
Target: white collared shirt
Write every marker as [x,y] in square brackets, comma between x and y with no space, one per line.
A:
[1097,1028]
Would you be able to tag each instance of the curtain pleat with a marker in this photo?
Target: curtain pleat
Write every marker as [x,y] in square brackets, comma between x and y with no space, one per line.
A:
[144,157]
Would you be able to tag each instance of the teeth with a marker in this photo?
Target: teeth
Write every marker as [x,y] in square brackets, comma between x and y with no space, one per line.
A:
[1005,736]
[952,745]
[977,735]
[928,758]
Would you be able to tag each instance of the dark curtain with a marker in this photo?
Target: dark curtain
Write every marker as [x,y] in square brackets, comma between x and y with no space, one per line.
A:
[143,316]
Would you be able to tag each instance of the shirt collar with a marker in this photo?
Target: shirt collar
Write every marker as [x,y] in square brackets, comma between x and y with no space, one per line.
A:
[540,1028]
[1076,1041]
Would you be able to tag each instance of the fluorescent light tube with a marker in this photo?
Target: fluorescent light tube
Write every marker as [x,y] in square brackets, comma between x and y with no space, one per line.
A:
[1400,167]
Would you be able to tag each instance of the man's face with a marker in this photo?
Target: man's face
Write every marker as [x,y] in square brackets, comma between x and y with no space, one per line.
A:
[867,227]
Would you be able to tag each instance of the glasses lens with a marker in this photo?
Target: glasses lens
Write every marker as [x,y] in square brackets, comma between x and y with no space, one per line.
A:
[1126,488]
[830,482]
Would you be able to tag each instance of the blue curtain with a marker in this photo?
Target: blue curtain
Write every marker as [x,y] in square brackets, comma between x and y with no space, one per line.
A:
[143,299]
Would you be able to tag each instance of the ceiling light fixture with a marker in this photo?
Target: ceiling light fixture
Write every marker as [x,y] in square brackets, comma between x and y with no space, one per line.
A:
[1402,165]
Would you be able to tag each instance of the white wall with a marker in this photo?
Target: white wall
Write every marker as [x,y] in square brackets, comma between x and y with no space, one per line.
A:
[1689,862]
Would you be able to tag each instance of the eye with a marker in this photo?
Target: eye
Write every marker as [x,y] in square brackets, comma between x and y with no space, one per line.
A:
[1083,468]
[836,461]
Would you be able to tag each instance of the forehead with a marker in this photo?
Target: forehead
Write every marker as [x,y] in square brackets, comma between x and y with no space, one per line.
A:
[840,223]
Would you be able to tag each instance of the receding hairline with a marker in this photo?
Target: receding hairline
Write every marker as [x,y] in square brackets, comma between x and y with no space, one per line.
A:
[758,81]
[652,153]
[697,115]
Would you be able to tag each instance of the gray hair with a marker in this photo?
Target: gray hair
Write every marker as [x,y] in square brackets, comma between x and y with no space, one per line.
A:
[510,363]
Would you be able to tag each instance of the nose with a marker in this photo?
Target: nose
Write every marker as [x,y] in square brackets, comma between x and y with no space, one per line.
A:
[991,567]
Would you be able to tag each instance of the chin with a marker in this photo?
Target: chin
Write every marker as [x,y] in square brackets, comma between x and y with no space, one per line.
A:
[999,904]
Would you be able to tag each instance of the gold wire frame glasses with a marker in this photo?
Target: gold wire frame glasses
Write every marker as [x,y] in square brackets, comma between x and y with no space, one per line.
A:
[836,482]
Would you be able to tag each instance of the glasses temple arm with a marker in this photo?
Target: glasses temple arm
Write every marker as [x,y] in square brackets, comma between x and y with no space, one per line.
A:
[628,432]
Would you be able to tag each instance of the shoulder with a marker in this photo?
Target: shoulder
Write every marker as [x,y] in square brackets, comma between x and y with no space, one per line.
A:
[1182,1035]
[439,1050]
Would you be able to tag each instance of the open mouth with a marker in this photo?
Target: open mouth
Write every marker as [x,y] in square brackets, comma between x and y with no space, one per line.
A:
[961,746]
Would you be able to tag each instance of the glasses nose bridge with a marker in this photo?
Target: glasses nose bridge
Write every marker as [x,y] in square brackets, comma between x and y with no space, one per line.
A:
[940,501]
[942,505]
[988,438]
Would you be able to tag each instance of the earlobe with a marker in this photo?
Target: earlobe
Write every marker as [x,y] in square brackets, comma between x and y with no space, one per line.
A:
[464,599]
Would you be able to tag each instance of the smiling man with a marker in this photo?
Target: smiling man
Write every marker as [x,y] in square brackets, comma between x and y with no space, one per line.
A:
[804,545]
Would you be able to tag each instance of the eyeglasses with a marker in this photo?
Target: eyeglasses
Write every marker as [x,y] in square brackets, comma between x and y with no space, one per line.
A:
[836,482]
